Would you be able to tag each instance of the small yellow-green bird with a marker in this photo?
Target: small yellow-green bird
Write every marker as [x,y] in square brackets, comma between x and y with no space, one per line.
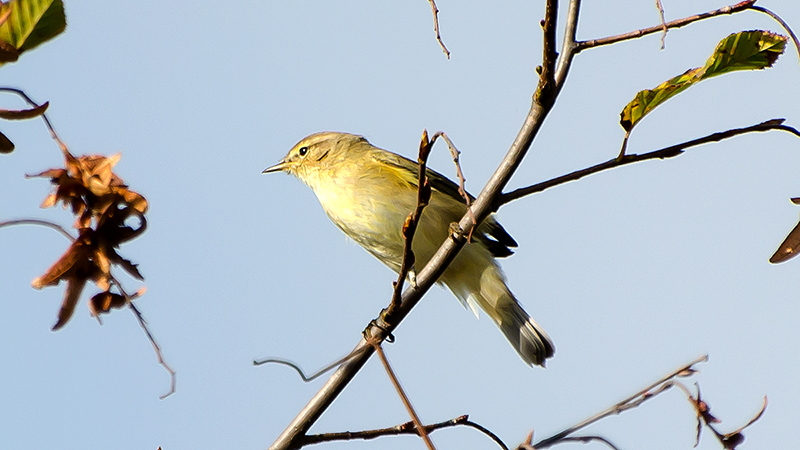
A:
[368,193]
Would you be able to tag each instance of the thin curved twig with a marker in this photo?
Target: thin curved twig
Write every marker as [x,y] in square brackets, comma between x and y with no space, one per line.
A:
[143,324]
[665,383]
[783,24]
[405,428]
[47,123]
[435,11]
[300,371]
[41,222]
[578,439]
[462,180]
[667,152]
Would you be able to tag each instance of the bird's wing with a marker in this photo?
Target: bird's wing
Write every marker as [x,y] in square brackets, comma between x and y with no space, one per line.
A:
[490,232]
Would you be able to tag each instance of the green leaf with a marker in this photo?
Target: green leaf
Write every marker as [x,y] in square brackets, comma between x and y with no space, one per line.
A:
[32,22]
[746,50]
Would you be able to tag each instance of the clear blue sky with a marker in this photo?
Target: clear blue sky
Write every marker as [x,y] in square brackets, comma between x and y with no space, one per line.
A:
[632,272]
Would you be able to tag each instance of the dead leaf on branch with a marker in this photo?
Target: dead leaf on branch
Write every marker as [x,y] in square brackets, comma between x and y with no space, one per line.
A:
[790,246]
[729,441]
[103,204]
[6,146]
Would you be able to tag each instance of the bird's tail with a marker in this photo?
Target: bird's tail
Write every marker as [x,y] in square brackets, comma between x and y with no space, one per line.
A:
[525,335]
[489,291]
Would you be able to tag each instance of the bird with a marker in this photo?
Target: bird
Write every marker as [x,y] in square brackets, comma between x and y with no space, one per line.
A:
[368,192]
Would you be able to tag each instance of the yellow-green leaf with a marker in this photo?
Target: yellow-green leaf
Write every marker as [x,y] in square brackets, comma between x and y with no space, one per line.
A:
[746,50]
[31,22]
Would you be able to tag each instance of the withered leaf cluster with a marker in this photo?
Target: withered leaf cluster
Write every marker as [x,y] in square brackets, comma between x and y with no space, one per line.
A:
[729,441]
[103,205]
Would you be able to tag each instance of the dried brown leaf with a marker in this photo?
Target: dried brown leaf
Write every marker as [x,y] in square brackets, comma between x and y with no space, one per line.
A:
[74,260]
[22,114]
[732,440]
[101,203]
[73,292]
[8,53]
[6,146]
[105,301]
[788,248]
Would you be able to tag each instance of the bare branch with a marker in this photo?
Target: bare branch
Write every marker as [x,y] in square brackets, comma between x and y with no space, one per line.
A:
[405,428]
[663,23]
[741,6]
[47,123]
[546,90]
[406,402]
[435,11]
[660,386]
[410,227]
[623,159]
[462,190]
[44,223]
[156,347]
[579,439]
[728,440]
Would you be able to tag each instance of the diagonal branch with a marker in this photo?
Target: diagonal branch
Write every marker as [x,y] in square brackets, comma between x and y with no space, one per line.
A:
[292,436]
[667,152]
[423,433]
[662,385]
[741,6]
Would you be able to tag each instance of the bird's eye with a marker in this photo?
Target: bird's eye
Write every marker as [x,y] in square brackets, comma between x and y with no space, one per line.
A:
[303,151]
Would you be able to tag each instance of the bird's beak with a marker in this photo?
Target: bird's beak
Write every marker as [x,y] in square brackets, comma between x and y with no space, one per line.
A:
[280,167]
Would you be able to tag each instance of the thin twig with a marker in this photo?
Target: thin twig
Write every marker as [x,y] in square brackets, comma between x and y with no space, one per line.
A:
[545,94]
[47,123]
[44,223]
[403,396]
[741,6]
[663,23]
[405,428]
[579,439]
[462,190]
[667,152]
[703,410]
[156,347]
[783,24]
[410,226]
[634,400]
[300,371]
[435,11]
[485,431]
